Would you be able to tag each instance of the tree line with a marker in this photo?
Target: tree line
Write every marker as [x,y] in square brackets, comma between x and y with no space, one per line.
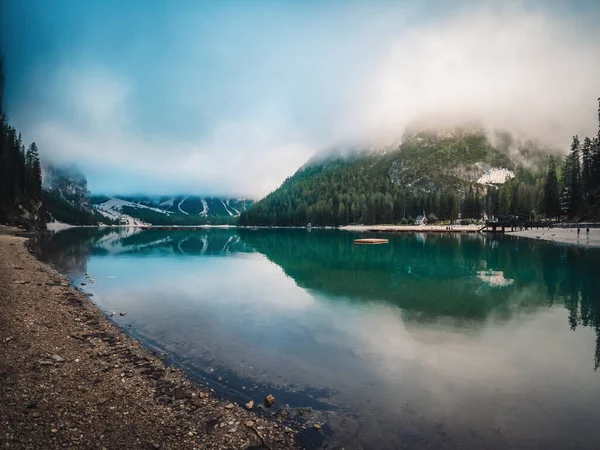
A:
[21,199]
[575,192]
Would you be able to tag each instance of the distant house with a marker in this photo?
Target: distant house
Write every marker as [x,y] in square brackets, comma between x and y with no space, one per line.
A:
[512,220]
[421,220]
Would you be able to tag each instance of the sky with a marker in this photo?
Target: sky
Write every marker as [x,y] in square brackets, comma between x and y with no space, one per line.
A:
[231,97]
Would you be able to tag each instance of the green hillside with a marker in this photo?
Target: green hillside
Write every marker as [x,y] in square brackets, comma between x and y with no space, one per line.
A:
[432,172]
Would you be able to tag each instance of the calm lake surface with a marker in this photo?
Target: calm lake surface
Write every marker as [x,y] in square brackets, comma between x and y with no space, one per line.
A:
[430,341]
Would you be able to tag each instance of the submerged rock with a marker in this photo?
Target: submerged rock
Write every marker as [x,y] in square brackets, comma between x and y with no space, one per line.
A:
[269,400]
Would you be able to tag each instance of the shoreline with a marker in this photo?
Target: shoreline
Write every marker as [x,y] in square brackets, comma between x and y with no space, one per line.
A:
[564,236]
[558,234]
[413,228]
[72,378]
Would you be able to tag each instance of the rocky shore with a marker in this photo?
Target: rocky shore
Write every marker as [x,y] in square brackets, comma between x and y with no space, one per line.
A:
[70,379]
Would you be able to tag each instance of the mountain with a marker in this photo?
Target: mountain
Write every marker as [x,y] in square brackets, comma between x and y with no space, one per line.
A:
[444,174]
[170,210]
[66,196]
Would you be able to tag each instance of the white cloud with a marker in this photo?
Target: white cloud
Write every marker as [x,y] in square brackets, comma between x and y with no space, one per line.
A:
[527,72]
[530,74]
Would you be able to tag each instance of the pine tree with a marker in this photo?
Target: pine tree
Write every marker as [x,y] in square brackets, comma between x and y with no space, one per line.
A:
[551,198]
[574,180]
[596,155]
[20,173]
[35,171]
[1,85]
[586,165]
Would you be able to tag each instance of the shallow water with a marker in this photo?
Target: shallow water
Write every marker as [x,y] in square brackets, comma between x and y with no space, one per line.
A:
[432,341]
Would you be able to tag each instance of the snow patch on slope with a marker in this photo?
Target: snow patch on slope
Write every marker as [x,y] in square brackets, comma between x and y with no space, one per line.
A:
[124,219]
[226,209]
[116,205]
[113,209]
[204,211]
[179,206]
[167,203]
[496,176]
[237,213]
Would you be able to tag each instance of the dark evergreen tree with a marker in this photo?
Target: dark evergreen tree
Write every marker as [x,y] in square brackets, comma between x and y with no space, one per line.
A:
[34,168]
[551,205]
[574,180]
[586,165]
[1,83]
[20,176]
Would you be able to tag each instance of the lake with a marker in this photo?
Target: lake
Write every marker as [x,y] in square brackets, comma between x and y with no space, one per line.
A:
[430,341]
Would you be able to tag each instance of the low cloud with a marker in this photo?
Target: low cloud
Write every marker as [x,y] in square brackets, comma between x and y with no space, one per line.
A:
[239,116]
[530,74]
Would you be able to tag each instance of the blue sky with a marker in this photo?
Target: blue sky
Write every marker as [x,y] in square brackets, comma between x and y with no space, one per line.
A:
[231,97]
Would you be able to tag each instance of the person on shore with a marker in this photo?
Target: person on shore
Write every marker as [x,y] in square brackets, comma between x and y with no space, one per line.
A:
[587,232]
[578,231]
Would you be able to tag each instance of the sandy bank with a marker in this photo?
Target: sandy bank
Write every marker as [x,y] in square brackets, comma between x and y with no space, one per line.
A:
[414,228]
[70,379]
[563,236]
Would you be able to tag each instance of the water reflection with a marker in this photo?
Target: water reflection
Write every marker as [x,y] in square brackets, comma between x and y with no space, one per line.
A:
[464,267]
[401,273]
[444,342]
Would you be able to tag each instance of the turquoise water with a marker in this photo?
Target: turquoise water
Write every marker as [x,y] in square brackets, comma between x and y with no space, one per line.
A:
[430,341]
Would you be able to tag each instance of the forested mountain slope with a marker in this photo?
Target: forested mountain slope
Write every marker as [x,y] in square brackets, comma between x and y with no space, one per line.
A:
[67,198]
[444,174]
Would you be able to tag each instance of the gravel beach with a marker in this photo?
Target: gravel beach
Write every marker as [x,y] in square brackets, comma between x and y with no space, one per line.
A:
[69,378]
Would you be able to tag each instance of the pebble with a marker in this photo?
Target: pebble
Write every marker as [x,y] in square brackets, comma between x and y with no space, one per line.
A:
[316,426]
[288,430]
[122,313]
[249,423]
[229,406]
[57,358]
[250,404]
[269,400]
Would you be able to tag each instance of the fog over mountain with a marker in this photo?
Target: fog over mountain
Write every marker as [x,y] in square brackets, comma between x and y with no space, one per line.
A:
[228,99]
